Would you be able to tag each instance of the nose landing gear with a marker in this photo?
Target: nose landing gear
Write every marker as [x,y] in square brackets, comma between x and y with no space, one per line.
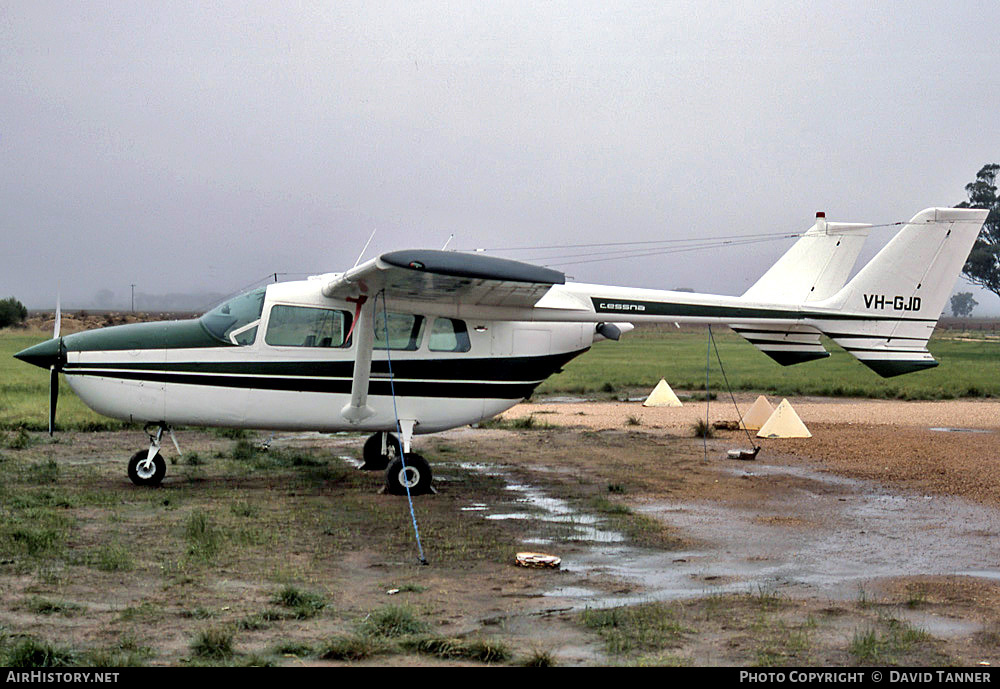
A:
[146,467]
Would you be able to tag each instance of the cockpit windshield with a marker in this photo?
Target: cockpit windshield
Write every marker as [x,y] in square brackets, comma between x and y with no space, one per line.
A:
[235,321]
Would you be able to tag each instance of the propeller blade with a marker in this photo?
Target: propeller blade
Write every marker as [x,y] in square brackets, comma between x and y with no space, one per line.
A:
[54,370]
[53,397]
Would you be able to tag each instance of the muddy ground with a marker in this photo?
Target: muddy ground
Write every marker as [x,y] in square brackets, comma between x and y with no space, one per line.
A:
[874,542]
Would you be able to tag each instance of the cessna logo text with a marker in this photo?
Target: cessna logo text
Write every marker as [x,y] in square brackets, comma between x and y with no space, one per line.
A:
[897,303]
[609,306]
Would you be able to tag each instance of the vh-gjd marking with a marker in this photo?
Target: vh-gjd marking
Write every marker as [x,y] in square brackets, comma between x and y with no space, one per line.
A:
[897,303]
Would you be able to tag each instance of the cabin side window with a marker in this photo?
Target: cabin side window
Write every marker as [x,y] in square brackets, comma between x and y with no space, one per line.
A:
[405,331]
[306,326]
[449,335]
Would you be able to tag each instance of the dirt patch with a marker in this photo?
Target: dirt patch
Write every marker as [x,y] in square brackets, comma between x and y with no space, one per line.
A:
[785,560]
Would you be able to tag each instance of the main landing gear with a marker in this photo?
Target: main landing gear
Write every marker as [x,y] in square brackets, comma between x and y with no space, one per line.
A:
[147,468]
[384,451]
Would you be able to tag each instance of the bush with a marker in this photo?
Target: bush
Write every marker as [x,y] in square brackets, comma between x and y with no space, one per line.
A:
[12,312]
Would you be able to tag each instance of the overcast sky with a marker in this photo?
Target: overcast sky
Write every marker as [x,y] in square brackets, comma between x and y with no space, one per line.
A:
[190,147]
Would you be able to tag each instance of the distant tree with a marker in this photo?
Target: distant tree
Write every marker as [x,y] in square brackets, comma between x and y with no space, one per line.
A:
[104,299]
[12,312]
[962,304]
[983,266]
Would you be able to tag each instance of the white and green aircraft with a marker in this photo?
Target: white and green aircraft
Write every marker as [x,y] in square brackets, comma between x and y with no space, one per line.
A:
[421,341]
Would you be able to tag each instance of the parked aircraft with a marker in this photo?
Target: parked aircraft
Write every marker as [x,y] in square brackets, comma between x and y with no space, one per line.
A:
[420,341]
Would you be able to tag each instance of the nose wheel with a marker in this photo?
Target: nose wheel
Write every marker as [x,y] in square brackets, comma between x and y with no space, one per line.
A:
[144,470]
[147,468]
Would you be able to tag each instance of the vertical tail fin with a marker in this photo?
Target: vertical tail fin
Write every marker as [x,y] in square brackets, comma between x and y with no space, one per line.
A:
[891,306]
[816,266]
[814,269]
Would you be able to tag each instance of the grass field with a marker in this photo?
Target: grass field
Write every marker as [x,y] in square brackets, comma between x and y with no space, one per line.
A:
[968,369]
[24,391]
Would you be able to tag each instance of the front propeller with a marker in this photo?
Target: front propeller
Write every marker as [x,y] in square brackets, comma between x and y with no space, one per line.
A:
[50,355]
[57,365]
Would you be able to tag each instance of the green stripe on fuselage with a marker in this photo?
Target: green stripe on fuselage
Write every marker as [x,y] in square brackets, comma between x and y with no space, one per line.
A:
[187,334]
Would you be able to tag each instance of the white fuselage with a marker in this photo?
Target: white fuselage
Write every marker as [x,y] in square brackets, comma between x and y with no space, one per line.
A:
[288,387]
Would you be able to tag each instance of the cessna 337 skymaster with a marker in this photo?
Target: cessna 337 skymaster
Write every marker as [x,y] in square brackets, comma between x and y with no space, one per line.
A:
[422,341]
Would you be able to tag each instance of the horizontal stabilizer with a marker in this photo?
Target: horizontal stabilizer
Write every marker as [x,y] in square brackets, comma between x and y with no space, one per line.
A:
[786,344]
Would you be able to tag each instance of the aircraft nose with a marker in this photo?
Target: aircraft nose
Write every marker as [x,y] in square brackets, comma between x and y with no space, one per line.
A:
[45,355]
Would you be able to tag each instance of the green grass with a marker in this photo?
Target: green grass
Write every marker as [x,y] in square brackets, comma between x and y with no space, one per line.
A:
[634,629]
[214,643]
[393,621]
[45,606]
[887,643]
[304,604]
[204,538]
[355,647]
[647,354]
[29,653]
[24,392]
[482,650]
[113,557]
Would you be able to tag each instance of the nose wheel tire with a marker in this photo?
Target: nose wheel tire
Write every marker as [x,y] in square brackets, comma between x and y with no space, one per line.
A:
[143,473]
[416,476]
[372,452]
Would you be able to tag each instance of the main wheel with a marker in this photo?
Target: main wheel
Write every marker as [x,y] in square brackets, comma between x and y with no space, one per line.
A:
[416,476]
[372,452]
[142,474]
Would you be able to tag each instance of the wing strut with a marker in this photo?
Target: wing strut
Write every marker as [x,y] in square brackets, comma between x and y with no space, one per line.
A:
[357,410]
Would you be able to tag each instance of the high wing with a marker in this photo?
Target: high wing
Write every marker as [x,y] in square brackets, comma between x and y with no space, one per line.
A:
[428,279]
[429,276]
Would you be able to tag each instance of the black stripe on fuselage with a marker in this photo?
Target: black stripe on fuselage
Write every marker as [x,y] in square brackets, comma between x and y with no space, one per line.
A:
[494,378]
[401,388]
[604,305]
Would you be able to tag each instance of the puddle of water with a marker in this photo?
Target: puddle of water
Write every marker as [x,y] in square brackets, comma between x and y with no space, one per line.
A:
[545,509]
[831,538]
[939,626]
[962,430]
[828,536]
[353,461]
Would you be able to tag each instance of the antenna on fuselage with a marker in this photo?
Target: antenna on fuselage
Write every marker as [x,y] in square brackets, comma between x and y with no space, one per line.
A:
[450,237]
[361,255]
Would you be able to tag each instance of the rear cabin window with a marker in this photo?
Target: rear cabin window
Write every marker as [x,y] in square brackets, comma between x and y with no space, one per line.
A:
[449,335]
[404,331]
[305,326]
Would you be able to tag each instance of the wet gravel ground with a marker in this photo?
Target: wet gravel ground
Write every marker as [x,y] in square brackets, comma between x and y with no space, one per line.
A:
[939,448]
